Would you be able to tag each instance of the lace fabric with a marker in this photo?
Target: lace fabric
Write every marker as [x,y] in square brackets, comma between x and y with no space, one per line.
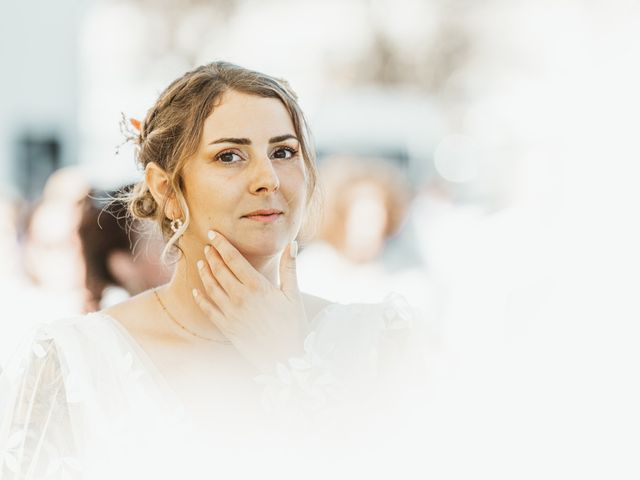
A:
[39,442]
[349,351]
[83,400]
[78,396]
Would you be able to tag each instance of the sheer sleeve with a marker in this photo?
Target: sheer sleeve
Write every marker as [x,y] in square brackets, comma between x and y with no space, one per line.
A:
[36,438]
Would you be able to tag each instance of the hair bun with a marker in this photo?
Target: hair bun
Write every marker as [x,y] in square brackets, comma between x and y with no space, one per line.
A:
[142,205]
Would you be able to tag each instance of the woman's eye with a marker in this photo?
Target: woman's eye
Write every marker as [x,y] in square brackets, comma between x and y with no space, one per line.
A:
[284,152]
[228,157]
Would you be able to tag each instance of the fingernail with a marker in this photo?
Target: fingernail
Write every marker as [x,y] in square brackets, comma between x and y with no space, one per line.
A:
[211,234]
[207,248]
[293,250]
[200,264]
[194,292]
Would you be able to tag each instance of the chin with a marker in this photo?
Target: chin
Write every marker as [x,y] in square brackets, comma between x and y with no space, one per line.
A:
[264,247]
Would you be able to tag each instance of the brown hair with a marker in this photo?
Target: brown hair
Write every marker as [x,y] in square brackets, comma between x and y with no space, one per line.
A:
[171,132]
[102,231]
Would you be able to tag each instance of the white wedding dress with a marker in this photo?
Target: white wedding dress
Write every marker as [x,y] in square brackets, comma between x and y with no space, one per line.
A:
[84,400]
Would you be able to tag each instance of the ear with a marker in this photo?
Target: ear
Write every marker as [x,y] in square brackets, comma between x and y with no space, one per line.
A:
[160,187]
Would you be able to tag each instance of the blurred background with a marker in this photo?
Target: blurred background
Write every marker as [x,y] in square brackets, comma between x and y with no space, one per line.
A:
[479,158]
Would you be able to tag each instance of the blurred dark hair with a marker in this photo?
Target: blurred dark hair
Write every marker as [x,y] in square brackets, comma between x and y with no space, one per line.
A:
[104,228]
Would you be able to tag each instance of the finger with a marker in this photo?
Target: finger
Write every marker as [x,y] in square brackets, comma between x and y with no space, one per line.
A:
[212,312]
[224,277]
[288,272]
[211,285]
[234,260]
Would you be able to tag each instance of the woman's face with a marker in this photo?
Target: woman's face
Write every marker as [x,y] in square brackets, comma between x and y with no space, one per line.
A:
[249,161]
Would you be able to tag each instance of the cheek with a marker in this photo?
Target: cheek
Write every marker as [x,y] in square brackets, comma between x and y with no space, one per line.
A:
[294,184]
[208,197]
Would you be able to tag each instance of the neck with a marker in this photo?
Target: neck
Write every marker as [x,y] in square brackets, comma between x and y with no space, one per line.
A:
[178,298]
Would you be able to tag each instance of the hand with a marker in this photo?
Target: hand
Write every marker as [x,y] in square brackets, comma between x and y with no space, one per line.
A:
[265,323]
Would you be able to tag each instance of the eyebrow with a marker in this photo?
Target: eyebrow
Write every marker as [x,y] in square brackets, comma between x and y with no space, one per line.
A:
[246,141]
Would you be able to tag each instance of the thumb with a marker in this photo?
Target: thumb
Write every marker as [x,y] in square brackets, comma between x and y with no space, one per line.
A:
[288,274]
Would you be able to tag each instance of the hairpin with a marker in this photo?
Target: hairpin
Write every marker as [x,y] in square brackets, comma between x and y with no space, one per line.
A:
[131,129]
[136,124]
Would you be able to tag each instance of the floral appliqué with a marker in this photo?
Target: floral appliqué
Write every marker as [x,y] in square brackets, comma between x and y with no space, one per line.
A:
[303,385]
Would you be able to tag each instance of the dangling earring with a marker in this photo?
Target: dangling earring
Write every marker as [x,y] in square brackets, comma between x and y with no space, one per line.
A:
[176,224]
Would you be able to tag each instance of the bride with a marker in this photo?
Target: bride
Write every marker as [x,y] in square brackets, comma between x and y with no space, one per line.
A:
[230,348]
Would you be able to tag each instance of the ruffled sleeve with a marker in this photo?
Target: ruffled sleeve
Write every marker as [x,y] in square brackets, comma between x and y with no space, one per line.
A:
[36,436]
[352,352]
[77,396]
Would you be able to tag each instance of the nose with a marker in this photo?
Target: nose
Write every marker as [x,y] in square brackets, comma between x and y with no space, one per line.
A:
[264,178]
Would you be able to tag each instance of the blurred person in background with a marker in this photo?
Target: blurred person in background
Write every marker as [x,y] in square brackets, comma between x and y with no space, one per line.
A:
[67,185]
[11,281]
[9,265]
[52,255]
[212,366]
[43,275]
[366,201]
[121,258]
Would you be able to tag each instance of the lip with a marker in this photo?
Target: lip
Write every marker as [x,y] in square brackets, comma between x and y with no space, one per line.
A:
[268,211]
[264,216]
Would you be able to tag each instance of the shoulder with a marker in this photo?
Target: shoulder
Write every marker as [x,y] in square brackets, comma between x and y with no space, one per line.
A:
[61,327]
[364,325]
[75,332]
[393,311]
[69,333]
[51,344]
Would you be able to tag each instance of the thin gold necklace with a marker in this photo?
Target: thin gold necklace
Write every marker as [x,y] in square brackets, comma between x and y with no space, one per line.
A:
[225,342]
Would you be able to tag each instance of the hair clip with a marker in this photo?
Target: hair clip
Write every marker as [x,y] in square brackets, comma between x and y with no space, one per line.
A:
[136,124]
[131,129]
